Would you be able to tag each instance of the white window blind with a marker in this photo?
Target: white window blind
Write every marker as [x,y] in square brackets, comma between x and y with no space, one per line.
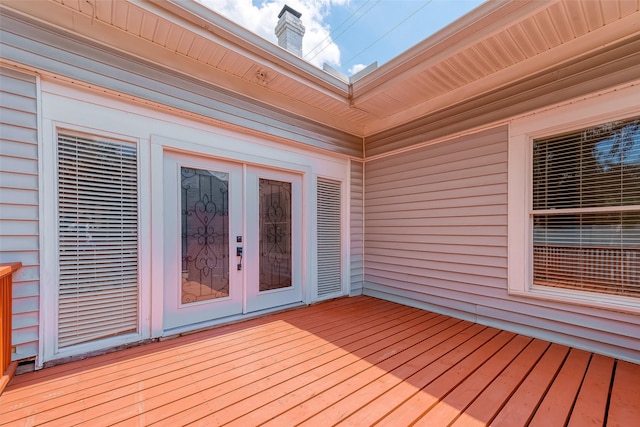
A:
[98,239]
[329,238]
[586,209]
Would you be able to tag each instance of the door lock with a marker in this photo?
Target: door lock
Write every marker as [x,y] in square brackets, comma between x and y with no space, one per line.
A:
[239,254]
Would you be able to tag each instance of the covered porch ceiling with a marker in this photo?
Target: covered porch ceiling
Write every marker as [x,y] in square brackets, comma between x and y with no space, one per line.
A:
[489,54]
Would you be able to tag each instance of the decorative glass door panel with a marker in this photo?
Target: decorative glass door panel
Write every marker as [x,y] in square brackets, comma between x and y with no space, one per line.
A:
[232,240]
[202,215]
[275,234]
[273,266]
[205,234]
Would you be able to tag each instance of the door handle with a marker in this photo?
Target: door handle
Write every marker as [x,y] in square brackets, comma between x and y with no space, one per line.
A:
[239,254]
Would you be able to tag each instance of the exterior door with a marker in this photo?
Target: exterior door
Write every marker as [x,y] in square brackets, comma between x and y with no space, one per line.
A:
[232,239]
[203,214]
[274,238]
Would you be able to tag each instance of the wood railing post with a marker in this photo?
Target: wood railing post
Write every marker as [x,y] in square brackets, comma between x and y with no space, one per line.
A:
[6,299]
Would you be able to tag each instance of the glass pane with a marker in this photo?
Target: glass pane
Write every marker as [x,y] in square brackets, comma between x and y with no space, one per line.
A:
[205,235]
[275,234]
[594,167]
[597,252]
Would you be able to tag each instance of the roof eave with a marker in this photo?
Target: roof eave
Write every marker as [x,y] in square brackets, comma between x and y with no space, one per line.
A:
[247,41]
[484,21]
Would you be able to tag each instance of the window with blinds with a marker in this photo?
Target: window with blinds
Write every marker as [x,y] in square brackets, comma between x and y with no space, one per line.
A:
[98,239]
[586,209]
[329,238]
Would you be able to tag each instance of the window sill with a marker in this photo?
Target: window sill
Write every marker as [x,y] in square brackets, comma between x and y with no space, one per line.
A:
[575,297]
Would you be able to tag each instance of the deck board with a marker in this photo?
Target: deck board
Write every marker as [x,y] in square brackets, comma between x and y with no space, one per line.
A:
[625,395]
[485,407]
[353,361]
[591,403]
[557,402]
[332,387]
[451,406]
[520,407]
[430,394]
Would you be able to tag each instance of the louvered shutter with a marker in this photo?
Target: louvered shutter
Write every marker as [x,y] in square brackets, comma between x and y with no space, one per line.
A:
[586,209]
[329,238]
[98,239]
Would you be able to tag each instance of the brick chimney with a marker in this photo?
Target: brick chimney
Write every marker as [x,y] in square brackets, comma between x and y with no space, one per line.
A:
[290,30]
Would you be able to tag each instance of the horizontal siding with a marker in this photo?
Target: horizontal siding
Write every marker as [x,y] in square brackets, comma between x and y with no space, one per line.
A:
[19,203]
[49,50]
[357,228]
[436,238]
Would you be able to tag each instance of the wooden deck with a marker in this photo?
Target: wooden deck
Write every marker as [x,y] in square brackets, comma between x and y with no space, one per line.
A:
[354,361]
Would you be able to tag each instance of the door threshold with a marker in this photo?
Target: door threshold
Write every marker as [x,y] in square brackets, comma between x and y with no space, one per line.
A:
[198,327]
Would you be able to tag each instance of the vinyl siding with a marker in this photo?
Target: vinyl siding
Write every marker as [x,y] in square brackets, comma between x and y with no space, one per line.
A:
[436,238]
[19,203]
[357,228]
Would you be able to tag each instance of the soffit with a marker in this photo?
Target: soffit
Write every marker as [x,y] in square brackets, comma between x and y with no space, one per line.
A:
[495,46]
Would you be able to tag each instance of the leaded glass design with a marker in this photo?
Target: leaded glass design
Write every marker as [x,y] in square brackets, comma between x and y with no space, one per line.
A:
[205,234]
[275,234]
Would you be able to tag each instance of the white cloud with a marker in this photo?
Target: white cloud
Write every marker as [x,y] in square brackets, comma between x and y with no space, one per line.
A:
[262,20]
[356,68]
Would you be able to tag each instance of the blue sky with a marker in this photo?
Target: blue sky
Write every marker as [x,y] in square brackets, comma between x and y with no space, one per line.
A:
[350,34]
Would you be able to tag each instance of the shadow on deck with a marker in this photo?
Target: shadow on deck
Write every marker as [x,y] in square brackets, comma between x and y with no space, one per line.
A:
[354,361]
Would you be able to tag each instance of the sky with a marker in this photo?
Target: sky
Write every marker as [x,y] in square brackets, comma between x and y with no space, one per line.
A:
[349,35]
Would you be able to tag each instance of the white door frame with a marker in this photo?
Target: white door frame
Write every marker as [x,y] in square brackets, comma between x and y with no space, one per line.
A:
[256,300]
[177,313]
[160,145]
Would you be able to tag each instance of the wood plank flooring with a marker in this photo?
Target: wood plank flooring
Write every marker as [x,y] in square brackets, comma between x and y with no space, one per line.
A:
[353,361]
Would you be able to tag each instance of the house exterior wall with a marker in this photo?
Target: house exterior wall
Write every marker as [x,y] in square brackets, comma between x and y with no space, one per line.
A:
[436,221]
[156,130]
[19,207]
[356,228]
[428,224]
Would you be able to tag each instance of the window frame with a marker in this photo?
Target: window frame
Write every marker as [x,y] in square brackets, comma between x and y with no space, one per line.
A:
[592,110]
[49,347]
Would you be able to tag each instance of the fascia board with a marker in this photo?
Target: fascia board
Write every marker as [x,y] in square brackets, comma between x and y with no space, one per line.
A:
[248,44]
[483,22]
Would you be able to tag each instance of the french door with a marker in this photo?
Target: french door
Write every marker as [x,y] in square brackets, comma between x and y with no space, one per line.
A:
[232,239]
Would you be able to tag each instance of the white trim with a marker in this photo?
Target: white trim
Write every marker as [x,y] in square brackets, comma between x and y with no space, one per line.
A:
[42,222]
[311,271]
[595,109]
[145,291]
[48,346]
[345,190]
[244,238]
[48,236]
[157,239]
